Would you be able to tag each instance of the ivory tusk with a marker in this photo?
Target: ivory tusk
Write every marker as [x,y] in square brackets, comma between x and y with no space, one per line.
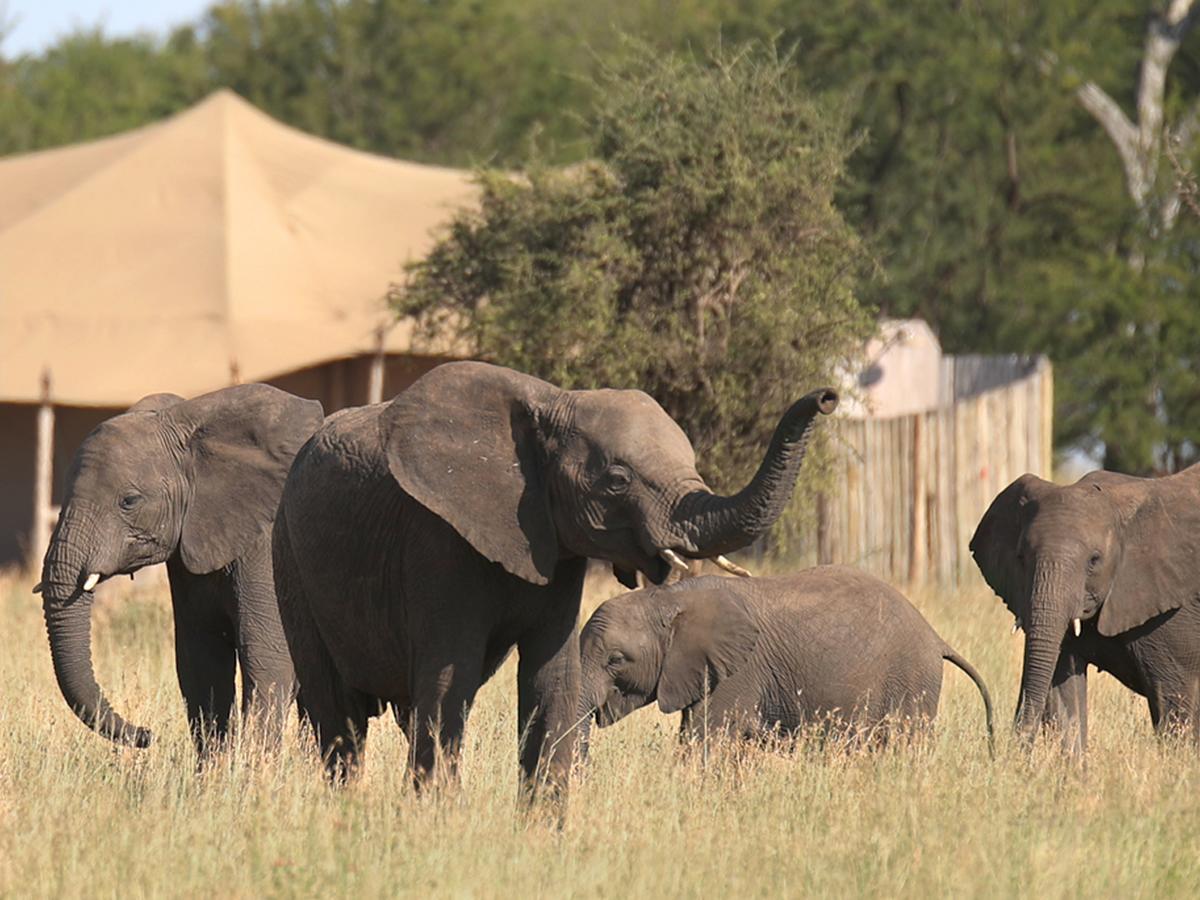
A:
[92,581]
[37,588]
[1077,625]
[1016,625]
[676,561]
[731,567]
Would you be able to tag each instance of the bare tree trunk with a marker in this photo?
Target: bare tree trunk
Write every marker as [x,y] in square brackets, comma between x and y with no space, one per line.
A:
[1140,143]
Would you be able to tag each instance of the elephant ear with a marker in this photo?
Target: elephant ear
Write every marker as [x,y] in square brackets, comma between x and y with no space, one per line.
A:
[239,443]
[711,636]
[995,542]
[1160,562]
[463,442]
[155,403]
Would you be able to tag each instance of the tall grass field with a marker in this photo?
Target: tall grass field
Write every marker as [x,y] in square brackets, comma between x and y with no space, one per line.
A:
[80,817]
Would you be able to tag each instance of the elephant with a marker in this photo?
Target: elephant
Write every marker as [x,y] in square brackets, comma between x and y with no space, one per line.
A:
[194,484]
[1102,572]
[830,647]
[419,540]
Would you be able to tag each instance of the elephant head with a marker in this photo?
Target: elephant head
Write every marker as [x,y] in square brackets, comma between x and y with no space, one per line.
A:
[199,477]
[1109,553]
[529,473]
[666,644]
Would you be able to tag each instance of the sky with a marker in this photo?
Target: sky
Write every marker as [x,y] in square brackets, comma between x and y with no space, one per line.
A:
[35,24]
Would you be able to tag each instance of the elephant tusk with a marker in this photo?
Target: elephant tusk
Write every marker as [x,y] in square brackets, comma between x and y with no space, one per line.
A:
[731,567]
[37,588]
[92,581]
[676,561]
[1016,625]
[1077,625]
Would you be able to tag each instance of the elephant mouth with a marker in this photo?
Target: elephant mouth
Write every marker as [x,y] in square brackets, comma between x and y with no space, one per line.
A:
[654,568]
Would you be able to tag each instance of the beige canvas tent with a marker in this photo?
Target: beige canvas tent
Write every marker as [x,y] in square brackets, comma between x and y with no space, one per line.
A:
[214,247]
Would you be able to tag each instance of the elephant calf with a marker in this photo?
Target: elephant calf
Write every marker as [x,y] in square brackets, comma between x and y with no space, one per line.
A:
[829,645]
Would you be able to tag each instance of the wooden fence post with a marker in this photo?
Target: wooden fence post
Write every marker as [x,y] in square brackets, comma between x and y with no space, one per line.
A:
[918,539]
[43,478]
[375,377]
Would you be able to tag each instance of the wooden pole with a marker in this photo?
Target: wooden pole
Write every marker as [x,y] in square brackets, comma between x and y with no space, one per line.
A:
[1047,411]
[375,381]
[43,479]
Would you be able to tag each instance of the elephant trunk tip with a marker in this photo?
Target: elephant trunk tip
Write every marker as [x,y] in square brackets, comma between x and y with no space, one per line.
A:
[827,401]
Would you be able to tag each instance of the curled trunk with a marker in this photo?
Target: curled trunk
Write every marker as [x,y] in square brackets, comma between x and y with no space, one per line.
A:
[68,611]
[715,524]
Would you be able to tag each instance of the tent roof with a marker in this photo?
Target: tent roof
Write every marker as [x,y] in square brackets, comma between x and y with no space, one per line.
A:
[217,241]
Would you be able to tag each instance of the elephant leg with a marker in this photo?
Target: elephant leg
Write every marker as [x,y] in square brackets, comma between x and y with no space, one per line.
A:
[443,692]
[205,661]
[1066,703]
[548,684]
[268,680]
[1173,707]
[337,713]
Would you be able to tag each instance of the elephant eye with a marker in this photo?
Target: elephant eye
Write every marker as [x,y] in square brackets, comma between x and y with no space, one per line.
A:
[129,501]
[1094,561]
[616,658]
[617,480]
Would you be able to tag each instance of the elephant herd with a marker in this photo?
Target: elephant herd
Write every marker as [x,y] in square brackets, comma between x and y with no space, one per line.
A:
[393,555]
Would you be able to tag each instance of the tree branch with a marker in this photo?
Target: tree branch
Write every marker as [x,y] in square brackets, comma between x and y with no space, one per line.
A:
[1122,132]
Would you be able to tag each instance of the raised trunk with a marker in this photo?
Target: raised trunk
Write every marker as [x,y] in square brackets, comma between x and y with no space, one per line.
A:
[714,524]
[1044,632]
[68,611]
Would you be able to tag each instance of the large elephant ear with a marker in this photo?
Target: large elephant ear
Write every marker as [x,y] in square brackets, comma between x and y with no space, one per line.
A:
[239,445]
[1160,562]
[994,544]
[463,442]
[713,633]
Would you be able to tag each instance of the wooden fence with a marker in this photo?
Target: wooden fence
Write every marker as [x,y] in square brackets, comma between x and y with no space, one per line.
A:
[906,493]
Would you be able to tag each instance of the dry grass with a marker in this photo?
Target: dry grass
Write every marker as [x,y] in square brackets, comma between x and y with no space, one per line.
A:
[79,817]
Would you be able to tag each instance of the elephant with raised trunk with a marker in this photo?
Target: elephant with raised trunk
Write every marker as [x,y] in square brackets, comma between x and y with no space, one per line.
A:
[830,647]
[1103,572]
[194,484]
[419,541]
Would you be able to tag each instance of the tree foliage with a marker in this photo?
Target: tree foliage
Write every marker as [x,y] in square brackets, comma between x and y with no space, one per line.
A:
[697,255]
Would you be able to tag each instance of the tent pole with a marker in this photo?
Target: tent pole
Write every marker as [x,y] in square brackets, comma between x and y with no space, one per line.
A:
[43,477]
[375,381]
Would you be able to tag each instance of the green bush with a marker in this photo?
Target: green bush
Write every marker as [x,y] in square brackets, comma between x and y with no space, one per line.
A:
[697,254]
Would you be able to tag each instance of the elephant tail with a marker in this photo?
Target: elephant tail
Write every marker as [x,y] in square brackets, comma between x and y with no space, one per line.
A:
[950,655]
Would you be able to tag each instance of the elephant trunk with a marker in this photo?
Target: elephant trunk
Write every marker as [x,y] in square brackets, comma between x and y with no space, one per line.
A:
[1045,628]
[68,612]
[715,524]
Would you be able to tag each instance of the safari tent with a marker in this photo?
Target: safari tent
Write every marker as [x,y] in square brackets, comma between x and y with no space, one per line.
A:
[214,247]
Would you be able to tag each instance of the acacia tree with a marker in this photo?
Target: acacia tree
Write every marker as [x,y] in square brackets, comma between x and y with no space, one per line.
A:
[697,255]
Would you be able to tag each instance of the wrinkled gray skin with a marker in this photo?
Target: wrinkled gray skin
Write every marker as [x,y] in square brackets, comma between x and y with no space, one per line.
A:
[829,646]
[1122,555]
[194,484]
[419,541]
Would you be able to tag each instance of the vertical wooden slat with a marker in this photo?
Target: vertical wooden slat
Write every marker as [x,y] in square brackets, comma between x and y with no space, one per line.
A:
[918,535]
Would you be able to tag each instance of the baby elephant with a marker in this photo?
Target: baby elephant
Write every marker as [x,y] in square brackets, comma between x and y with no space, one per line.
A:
[830,645]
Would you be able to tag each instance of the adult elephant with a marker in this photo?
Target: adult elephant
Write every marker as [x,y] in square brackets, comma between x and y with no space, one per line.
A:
[194,484]
[419,541]
[1103,572]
